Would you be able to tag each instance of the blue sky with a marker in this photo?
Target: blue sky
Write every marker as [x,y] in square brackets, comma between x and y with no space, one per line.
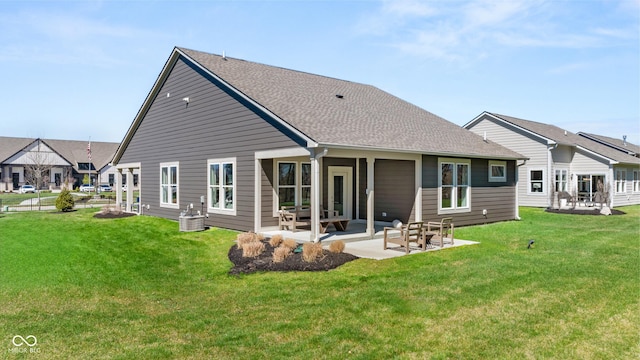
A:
[81,69]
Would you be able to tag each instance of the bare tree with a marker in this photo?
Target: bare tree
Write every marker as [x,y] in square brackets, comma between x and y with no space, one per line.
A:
[38,165]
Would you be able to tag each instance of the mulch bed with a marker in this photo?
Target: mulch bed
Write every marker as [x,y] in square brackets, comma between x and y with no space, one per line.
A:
[294,262]
[112,215]
[594,211]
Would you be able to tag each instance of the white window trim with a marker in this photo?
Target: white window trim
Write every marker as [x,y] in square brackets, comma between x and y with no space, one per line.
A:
[636,181]
[177,166]
[623,180]
[222,210]
[454,192]
[544,182]
[297,186]
[566,178]
[498,178]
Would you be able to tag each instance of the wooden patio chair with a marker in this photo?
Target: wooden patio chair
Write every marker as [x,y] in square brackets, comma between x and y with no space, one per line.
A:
[412,232]
[439,231]
[290,217]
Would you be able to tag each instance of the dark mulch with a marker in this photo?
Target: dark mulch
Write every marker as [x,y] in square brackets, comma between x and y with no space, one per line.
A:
[112,215]
[594,211]
[294,262]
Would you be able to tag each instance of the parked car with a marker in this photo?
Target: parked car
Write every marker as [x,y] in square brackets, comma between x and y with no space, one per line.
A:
[87,188]
[124,187]
[104,187]
[27,189]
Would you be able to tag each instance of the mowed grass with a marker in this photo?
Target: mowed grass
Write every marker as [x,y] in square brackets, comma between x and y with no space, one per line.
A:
[137,288]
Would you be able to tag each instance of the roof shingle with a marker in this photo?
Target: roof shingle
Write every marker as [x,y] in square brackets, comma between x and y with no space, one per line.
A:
[336,112]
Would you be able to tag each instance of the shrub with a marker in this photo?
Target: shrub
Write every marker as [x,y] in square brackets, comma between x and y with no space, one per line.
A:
[252,249]
[65,201]
[290,243]
[280,253]
[275,240]
[336,247]
[311,251]
[245,238]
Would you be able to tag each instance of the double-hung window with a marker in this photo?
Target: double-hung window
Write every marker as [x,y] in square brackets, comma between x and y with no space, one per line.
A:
[169,194]
[454,177]
[221,186]
[561,180]
[636,181]
[536,181]
[294,187]
[621,181]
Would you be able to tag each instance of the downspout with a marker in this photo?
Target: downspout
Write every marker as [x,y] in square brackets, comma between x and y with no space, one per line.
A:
[315,193]
[517,188]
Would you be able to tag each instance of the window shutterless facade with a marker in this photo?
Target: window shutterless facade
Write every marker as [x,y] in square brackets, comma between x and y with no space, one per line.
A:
[561,180]
[221,180]
[621,181]
[636,181]
[536,181]
[169,191]
[294,187]
[454,192]
[497,171]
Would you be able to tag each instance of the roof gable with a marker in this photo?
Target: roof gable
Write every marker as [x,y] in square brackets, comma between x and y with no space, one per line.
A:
[331,112]
[556,135]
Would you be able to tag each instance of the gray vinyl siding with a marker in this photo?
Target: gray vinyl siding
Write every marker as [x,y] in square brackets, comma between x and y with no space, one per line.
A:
[395,190]
[213,125]
[498,198]
[526,144]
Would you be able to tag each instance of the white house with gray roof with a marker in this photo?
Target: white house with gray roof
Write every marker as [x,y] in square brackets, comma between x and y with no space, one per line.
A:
[65,162]
[563,161]
[248,138]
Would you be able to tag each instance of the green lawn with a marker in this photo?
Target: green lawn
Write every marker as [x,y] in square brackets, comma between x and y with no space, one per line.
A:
[137,288]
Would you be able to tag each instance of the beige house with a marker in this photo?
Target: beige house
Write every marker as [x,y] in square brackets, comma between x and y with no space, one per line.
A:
[563,161]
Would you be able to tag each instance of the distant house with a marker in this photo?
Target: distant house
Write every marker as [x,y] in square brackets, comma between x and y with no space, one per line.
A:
[562,161]
[247,138]
[65,162]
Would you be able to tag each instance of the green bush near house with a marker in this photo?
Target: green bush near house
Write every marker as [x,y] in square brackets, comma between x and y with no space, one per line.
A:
[65,201]
[136,288]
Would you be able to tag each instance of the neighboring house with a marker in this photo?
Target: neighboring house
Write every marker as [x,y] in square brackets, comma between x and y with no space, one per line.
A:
[247,138]
[618,144]
[64,162]
[562,161]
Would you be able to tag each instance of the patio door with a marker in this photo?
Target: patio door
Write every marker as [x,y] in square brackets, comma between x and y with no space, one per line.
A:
[340,190]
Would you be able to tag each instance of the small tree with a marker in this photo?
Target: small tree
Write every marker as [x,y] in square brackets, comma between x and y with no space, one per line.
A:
[65,201]
[86,179]
[39,161]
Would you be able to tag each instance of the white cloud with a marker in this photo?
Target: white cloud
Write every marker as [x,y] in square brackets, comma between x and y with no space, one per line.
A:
[455,31]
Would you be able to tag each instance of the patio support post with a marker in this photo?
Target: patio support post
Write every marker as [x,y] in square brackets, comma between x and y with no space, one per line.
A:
[118,188]
[129,189]
[315,193]
[371,230]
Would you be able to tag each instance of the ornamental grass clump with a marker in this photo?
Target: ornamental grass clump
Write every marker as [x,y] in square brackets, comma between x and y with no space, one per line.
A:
[275,240]
[290,243]
[245,238]
[252,249]
[336,247]
[311,251]
[280,253]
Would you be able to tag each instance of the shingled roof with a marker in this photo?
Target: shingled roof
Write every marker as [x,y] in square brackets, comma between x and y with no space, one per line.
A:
[564,137]
[335,112]
[621,144]
[72,150]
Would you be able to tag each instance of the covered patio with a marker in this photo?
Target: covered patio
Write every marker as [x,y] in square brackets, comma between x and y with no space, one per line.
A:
[359,243]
